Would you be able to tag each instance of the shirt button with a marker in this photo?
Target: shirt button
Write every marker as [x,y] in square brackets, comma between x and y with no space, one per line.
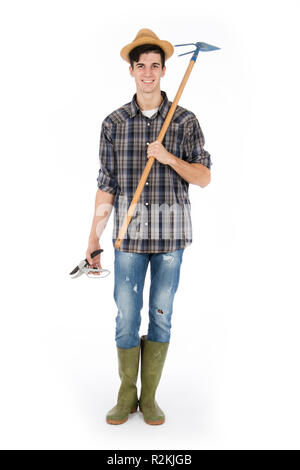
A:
[147,143]
[146,223]
[148,123]
[147,182]
[146,203]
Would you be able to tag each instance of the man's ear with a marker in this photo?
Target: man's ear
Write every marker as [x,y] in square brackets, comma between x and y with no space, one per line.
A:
[163,71]
[130,71]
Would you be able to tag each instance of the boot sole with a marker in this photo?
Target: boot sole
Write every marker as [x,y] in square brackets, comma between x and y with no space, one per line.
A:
[161,421]
[154,422]
[120,421]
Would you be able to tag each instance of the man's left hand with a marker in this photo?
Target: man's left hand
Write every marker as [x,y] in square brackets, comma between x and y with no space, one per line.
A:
[158,151]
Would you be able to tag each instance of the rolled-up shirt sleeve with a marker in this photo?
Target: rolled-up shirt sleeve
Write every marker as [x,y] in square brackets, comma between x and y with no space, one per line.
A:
[194,145]
[106,177]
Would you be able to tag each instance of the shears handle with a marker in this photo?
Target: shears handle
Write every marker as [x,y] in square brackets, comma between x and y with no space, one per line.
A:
[95,253]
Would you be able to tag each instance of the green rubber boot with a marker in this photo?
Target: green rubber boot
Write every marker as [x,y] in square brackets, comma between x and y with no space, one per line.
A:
[128,360]
[153,355]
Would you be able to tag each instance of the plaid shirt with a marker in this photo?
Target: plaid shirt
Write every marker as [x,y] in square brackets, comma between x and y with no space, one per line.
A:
[162,219]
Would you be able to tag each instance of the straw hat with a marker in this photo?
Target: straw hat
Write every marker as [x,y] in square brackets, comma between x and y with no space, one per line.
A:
[146,36]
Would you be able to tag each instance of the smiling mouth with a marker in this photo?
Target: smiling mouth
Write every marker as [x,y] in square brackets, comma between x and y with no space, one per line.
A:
[147,81]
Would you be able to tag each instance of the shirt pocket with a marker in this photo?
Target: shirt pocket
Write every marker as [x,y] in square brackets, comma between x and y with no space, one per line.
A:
[131,160]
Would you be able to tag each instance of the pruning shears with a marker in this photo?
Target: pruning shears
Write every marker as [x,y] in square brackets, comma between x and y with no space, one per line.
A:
[85,268]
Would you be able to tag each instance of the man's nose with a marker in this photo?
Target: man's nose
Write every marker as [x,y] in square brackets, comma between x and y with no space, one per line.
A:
[148,72]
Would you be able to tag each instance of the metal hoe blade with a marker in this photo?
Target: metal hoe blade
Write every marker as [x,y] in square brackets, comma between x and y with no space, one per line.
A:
[200,46]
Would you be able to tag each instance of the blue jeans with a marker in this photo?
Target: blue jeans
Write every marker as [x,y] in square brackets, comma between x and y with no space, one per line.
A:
[130,273]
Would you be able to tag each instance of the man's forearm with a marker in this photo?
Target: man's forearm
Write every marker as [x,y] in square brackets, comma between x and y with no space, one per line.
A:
[194,173]
[103,206]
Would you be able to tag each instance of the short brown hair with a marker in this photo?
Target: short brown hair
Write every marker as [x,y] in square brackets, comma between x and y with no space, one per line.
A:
[134,55]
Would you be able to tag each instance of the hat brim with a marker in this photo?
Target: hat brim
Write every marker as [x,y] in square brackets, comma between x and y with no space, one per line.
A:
[166,46]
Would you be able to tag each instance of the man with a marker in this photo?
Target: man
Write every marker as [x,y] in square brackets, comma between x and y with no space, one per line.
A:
[161,226]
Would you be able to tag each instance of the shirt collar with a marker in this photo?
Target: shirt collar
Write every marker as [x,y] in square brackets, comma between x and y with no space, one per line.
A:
[163,108]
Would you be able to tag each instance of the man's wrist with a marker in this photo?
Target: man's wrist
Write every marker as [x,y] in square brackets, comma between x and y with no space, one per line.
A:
[171,160]
[93,238]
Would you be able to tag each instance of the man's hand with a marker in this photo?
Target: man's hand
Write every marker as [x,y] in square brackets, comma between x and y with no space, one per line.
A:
[158,151]
[94,262]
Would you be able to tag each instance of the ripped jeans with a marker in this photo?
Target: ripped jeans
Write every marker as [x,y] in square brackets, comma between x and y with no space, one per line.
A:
[130,272]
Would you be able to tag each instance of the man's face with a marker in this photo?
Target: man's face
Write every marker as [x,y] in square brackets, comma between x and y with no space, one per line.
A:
[147,72]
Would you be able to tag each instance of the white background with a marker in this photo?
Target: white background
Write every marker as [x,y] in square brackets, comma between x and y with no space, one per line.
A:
[231,378]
